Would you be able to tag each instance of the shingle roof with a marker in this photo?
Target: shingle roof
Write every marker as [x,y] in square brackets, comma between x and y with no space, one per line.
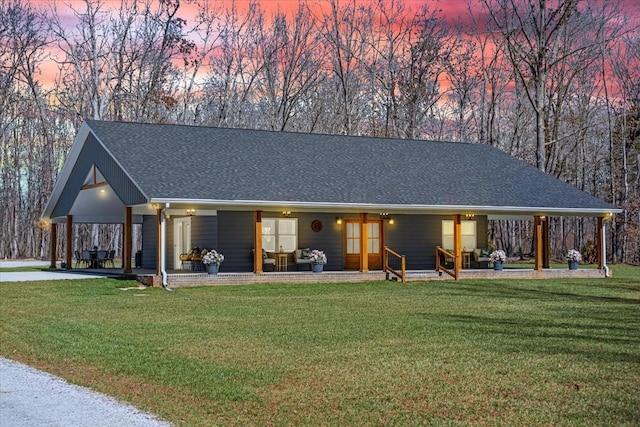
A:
[218,164]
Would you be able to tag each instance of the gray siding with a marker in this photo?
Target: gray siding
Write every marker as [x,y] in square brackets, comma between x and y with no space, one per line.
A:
[328,239]
[416,237]
[235,237]
[204,232]
[231,233]
[149,241]
[93,153]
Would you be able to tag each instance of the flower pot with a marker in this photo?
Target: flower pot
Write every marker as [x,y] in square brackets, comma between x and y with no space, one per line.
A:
[317,267]
[497,265]
[573,265]
[212,268]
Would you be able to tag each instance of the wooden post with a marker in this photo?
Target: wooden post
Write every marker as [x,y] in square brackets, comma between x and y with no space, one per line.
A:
[364,244]
[257,242]
[457,245]
[537,228]
[54,244]
[128,240]
[546,255]
[68,249]
[158,240]
[600,244]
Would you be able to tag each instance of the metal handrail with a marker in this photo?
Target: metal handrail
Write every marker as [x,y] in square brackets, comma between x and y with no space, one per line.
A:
[396,258]
[439,267]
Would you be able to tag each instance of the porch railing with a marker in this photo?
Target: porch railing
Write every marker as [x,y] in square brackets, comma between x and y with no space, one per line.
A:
[446,256]
[394,265]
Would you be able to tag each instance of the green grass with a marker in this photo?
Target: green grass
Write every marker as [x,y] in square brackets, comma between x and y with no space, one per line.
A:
[444,353]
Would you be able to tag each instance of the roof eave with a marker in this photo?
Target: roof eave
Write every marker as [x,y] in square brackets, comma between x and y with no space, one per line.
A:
[392,208]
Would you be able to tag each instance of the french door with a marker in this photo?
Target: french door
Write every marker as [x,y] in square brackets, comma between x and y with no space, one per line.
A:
[352,243]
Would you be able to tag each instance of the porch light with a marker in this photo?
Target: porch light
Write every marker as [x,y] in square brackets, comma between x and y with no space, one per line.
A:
[190,212]
[286,214]
[469,216]
[384,215]
[338,220]
[154,206]
[392,221]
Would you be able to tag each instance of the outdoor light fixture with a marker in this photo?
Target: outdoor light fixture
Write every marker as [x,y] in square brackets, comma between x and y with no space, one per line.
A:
[190,212]
[386,216]
[338,220]
[154,206]
[286,214]
[468,216]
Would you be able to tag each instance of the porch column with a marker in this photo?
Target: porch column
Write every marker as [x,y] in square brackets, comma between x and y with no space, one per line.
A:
[600,242]
[158,240]
[128,240]
[54,244]
[257,242]
[546,253]
[364,244]
[457,244]
[67,249]
[537,242]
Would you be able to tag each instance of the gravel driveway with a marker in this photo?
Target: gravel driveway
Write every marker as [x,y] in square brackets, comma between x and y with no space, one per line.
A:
[29,397]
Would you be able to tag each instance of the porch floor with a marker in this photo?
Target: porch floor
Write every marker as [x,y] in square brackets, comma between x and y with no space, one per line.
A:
[180,278]
[185,278]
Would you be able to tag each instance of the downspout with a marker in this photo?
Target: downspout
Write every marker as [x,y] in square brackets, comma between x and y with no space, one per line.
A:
[604,251]
[163,248]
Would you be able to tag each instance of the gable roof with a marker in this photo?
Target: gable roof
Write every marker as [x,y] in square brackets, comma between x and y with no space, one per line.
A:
[252,169]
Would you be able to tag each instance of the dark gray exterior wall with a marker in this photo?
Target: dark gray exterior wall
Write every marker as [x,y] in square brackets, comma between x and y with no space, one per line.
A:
[235,237]
[149,241]
[235,241]
[94,154]
[204,232]
[416,237]
[231,233]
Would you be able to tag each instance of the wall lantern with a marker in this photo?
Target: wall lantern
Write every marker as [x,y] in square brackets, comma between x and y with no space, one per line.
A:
[338,220]
[190,212]
[286,214]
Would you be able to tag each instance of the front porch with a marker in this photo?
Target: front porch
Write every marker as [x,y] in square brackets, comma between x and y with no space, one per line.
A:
[178,278]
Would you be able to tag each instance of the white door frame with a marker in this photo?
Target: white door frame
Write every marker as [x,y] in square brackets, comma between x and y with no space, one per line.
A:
[181,239]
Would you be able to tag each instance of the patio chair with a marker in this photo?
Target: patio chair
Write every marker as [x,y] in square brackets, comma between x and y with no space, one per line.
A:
[101,258]
[79,260]
[86,258]
[110,258]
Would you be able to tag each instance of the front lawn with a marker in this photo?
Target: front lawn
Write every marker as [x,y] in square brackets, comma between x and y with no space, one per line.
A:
[473,352]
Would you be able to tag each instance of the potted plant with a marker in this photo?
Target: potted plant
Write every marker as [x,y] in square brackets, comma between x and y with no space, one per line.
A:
[212,259]
[318,260]
[498,257]
[573,257]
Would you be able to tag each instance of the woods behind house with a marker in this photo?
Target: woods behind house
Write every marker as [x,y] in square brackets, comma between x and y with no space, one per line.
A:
[554,84]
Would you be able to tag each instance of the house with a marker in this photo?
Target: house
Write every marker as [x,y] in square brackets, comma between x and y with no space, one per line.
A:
[244,191]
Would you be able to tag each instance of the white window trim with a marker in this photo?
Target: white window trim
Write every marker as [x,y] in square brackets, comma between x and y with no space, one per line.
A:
[469,241]
[277,234]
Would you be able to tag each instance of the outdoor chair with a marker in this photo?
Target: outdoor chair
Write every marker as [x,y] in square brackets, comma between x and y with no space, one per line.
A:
[86,258]
[79,260]
[110,258]
[101,259]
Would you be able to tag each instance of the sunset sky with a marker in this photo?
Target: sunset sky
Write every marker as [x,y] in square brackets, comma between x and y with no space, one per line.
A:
[453,11]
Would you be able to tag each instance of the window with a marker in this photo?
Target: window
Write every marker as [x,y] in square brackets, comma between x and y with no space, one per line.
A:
[280,232]
[468,231]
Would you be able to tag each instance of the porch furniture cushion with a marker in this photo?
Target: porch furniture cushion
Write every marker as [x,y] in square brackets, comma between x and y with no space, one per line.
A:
[268,262]
[300,259]
[481,256]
